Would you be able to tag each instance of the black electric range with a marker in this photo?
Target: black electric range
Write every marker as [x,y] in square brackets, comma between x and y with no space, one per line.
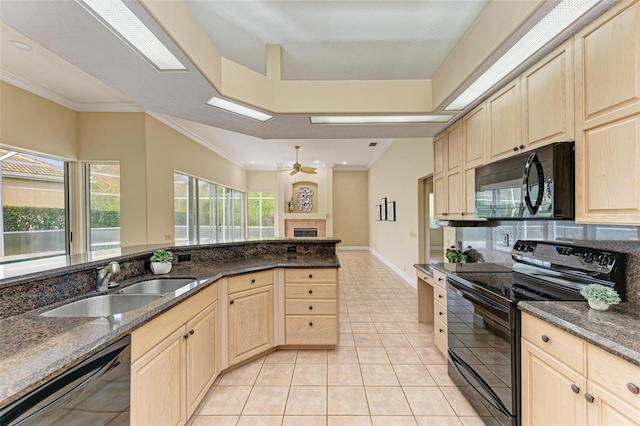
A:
[484,322]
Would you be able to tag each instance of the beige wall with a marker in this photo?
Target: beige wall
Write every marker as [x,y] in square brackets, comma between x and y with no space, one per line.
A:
[32,123]
[166,151]
[395,176]
[262,181]
[120,137]
[351,210]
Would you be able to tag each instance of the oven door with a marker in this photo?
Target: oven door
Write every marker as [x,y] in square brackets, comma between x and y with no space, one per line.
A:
[483,358]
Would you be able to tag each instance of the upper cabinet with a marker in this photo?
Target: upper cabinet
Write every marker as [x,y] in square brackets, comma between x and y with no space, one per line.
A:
[474,131]
[607,58]
[548,98]
[504,126]
[447,182]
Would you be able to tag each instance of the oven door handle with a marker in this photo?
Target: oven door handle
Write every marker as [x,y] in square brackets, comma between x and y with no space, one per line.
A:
[493,399]
[476,297]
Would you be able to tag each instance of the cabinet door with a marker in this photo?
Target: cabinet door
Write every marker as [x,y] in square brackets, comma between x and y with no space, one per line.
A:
[250,323]
[200,356]
[608,173]
[469,195]
[504,129]
[474,136]
[439,198]
[453,183]
[547,395]
[158,382]
[607,53]
[547,90]
[609,409]
[438,155]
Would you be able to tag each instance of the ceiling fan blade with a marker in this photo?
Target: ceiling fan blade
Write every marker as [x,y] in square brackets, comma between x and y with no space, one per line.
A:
[308,170]
[285,170]
[294,171]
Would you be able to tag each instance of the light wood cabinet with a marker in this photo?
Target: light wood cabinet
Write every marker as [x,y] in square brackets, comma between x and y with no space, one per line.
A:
[548,98]
[172,368]
[447,185]
[567,381]
[474,129]
[607,53]
[311,307]
[201,356]
[432,306]
[504,122]
[552,393]
[439,155]
[250,323]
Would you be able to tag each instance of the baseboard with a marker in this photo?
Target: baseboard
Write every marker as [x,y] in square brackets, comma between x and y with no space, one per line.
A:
[349,248]
[408,278]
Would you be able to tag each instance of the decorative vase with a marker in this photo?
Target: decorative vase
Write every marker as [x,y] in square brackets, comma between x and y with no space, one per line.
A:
[159,268]
[598,305]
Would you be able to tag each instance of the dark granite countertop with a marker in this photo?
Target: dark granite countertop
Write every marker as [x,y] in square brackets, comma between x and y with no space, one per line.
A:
[616,331]
[34,349]
[452,268]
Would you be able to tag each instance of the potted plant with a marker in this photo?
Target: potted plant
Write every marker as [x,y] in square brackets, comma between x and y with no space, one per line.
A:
[600,297]
[454,255]
[161,262]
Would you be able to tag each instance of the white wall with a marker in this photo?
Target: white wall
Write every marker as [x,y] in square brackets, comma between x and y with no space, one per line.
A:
[395,176]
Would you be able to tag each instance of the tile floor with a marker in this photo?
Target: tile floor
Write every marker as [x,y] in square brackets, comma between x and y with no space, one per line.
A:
[385,371]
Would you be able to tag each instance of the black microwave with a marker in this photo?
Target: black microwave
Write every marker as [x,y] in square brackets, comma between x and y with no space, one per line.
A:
[538,184]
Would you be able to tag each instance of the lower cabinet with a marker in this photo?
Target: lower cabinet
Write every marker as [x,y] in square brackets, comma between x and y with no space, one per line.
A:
[172,371]
[604,392]
[250,323]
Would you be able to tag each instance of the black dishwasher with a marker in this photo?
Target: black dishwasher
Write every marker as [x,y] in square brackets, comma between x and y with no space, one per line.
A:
[94,392]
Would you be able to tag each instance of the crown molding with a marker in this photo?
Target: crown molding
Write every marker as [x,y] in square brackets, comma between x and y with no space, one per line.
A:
[385,145]
[52,96]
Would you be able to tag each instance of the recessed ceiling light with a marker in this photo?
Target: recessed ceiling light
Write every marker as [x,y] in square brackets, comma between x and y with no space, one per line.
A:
[20,45]
[556,21]
[380,119]
[116,16]
[238,109]
[344,162]
[317,162]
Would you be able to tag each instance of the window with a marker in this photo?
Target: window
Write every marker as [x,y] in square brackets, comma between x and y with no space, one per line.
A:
[102,186]
[34,217]
[206,212]
[260,212]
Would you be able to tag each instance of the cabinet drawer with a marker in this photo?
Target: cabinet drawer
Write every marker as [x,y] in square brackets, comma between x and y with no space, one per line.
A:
[561,345]
[305,275]
[440,311]
[311,330]
[310,291]
[440,335]
[424,276]
[439,278]
[614,374]
[311,307]
[248,281]
[440,295]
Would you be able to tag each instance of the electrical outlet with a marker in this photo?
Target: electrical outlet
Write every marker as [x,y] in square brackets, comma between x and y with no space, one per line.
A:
[459,245]
[168,237]
[184,257]
[505,240]
[413,234]
[292,249]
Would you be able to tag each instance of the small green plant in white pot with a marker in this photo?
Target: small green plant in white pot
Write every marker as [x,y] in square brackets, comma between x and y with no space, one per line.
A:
[161,262]
[454,255]
[600,297]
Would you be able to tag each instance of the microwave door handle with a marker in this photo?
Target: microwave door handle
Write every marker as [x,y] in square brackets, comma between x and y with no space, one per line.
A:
[533,159]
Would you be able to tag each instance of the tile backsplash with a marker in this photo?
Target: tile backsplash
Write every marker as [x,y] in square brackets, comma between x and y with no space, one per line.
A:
[490,244]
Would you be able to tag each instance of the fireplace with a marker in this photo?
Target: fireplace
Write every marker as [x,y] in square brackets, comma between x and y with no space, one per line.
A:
[305,232]
[318,225]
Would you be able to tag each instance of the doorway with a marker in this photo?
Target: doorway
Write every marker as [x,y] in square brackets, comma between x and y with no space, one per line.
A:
[431,238]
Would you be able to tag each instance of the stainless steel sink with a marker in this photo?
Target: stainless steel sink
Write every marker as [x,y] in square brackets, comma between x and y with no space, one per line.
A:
[104,305]
[159,286]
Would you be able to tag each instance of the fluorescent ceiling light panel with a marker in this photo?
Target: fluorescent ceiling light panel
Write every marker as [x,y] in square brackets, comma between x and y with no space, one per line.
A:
[238,109]
[380,119]
[121,20]
[556,21]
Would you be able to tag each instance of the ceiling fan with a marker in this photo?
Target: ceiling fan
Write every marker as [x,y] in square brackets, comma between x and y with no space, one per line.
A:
[297,167]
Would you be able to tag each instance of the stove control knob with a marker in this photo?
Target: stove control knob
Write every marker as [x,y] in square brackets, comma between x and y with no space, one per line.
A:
[604,260]
[588,258]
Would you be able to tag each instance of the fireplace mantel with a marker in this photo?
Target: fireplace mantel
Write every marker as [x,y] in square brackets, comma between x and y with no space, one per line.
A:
[305,216]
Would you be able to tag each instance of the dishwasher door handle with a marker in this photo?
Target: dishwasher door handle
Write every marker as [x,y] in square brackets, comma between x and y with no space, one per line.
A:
[67,386]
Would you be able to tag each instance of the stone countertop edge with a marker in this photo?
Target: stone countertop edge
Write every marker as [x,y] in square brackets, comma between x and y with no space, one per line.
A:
[424,267]
[616,331]
[52,345]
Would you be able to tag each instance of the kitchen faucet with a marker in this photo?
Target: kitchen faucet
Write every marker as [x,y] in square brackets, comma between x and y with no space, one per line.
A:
[104,274]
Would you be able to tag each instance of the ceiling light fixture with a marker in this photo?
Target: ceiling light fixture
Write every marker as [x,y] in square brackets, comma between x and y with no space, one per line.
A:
[116,16]
[20,45]
[556,21]
[380,119]
[238,109]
